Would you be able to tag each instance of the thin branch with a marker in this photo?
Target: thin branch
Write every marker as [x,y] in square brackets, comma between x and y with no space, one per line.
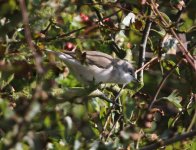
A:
[143,46]
[106,122]
[194,117]
[178,15]
[98,93]
[119,52]
[63,35]
[146,65]
[172,140]
[162,83]
[183,49]
[28,36]
[95,25]
[109,134]
[109,4]
[192,122]
[115,91]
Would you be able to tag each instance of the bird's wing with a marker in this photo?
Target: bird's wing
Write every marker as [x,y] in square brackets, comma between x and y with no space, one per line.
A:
[61,55]
[100,59]
[97,58]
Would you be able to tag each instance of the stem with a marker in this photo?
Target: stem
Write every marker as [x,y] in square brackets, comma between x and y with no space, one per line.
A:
[113,127]
[143,46]
[146,65]
[28,36]
[183,49]
[170,141]
[162,83]
[193,119]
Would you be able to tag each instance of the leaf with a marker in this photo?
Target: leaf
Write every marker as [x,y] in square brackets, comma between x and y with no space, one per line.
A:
[166,17]
[130,18]
[193,145]
[129,107]
[5,109]
[174,99]
[4,80]
[170,122]
[47,121]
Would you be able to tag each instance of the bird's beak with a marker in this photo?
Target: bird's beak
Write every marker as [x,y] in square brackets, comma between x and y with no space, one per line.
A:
[135,80]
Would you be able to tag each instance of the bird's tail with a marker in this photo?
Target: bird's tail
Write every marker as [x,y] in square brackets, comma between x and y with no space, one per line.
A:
[67,58]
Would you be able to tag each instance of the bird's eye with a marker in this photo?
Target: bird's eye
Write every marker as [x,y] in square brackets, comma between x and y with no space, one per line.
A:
[130,71]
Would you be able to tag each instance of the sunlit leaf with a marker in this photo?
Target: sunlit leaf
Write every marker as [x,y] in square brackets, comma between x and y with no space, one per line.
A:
[5,80]
[174,99]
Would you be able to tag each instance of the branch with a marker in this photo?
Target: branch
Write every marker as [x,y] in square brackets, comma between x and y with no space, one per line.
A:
[172,140]
[114,125]
[28,36]
[78,92]
[167,74]
[183,49]
[118,51]
[147,64]
[178,15]
[194,116]
[109,4]
[64,35]
[143,46]
[93,26]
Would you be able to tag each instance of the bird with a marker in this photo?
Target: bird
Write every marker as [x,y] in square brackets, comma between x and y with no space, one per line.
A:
[96,67]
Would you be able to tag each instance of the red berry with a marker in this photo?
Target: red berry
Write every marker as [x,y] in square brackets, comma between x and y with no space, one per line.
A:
[106,20]
[69,46]
[84,17]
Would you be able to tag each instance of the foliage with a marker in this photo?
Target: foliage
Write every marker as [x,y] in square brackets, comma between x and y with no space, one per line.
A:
[38,106]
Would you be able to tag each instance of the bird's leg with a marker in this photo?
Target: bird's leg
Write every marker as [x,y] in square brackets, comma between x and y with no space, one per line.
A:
[104,97]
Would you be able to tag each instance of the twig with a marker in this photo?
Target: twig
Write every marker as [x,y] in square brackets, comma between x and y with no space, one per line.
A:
[194,117]
[170,141]
[109,4]
[95,25]
[28,36]
[106,122]
[116,91]
[184,110]
[143,46]
[63,35]
[147,64]
[192,122]
[167,74]
[119,52]
[98,93]
[118,94]
[178,15]
[184,51]
[47,28]
[113,127]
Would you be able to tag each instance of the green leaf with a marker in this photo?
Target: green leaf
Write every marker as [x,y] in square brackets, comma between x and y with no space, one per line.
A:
[5,80]
[170,122]
[193,145]
[174,99]
[129,108]
[5,109]
[47,121]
